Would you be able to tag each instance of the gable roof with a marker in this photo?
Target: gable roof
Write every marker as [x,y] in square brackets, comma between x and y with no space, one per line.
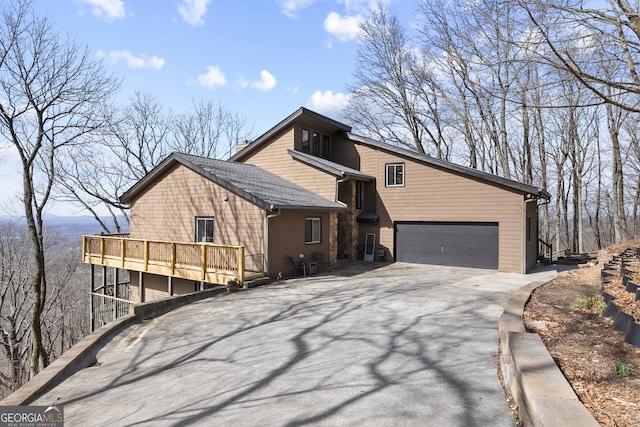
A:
[330,167]
[300,113]
[443,164]
[250,182]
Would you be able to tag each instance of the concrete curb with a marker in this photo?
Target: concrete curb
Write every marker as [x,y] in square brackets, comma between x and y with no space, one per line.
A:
[70,359]
[77,357]
[543,395]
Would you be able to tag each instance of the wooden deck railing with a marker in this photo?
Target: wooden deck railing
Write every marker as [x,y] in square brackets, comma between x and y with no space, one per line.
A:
[204,262]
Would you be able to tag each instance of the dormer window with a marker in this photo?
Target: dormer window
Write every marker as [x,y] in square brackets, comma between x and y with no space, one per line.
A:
[325,146]
[305,140]
[315,143]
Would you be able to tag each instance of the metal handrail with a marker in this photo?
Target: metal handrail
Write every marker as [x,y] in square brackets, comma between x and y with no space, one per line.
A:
[545,250]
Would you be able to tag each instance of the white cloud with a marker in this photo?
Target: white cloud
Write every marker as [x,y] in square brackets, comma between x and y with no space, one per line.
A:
[328,103]
[266,83]
[193,11]
[243,82]
[291,7]
[343,28]
[141,61]
[361,6]
[212,78]
[108,10]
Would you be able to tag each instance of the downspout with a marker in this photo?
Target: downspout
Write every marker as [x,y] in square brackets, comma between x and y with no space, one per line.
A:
[265,265]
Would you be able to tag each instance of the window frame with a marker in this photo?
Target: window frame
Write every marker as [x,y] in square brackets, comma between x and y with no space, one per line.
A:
[205,219]
[315,143]
[313,239]
[325,144]
[306,140]
[395,166]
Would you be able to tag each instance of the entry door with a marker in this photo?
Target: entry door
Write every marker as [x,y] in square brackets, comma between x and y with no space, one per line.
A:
[204,229]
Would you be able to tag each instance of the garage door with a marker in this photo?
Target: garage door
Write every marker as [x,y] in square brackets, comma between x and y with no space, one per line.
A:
[463,244]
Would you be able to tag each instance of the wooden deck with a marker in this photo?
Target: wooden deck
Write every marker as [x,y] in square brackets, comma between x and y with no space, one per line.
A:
[204,262]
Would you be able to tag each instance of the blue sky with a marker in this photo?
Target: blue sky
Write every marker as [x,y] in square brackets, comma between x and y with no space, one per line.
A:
[259,58]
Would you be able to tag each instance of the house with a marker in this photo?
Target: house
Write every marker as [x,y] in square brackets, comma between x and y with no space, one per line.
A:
[420,209]
[309,190]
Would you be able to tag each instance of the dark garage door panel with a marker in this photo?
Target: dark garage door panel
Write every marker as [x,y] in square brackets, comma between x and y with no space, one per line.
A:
[469,244]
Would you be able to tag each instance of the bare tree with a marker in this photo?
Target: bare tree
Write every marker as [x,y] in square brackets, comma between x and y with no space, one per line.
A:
[199,133]
[66,312]
[383,103]
[15,300]
[65,317]
[574,30]
[132,141]
[209,131]
[50,90]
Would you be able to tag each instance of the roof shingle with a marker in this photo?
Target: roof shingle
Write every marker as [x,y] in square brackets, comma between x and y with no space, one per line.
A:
[254,184]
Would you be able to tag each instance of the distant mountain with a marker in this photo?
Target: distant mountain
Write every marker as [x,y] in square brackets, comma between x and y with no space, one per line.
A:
[71,227]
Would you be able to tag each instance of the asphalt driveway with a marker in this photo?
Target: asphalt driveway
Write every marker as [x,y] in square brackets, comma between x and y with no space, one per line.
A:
[399,345]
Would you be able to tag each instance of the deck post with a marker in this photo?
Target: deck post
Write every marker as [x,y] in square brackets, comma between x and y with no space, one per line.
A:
[141,285]
[123,252]
[173,258]
[241,265]
[115,281]
[92,285]
[203,261]
[170,285]
[104,279]
[146,255]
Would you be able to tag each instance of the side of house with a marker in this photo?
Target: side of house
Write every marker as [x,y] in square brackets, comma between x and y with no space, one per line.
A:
[429,214]
[420,209]
[193,199]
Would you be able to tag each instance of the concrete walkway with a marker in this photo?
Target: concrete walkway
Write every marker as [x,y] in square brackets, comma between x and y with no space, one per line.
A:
[399,345]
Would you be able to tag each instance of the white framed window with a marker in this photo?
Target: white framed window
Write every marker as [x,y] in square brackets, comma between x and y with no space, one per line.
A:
[394,175]
[312,230]
[204,229]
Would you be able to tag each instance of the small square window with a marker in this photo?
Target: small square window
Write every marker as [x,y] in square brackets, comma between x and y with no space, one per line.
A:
[394,175]
[312,230]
